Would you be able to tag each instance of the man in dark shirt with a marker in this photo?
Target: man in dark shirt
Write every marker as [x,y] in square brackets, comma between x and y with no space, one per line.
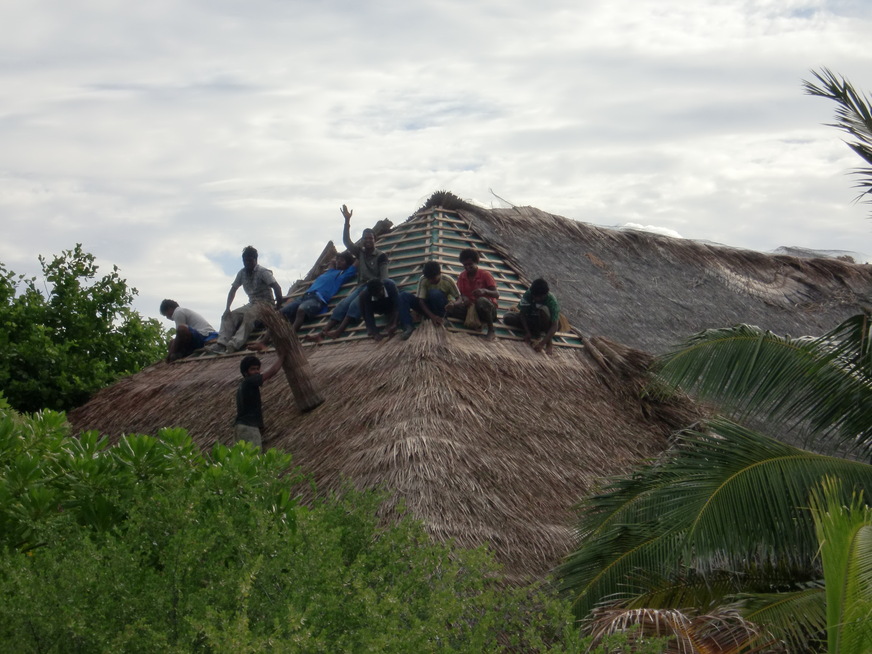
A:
[379,296]
[249,416]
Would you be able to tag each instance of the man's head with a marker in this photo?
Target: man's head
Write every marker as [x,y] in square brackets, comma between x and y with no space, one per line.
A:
[469,260]
[368,240]
[344,260]
[375,288]
[432,271]
[539,289]
[249,258]
[167,307]
[250,365]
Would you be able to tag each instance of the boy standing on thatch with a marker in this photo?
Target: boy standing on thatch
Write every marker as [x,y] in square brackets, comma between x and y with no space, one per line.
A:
[192,330]
[477,288]
[537,311]
[249,415]
[434,292]
[260,286]
[372,263]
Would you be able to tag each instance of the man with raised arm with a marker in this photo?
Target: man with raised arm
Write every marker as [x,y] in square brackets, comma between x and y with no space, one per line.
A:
[372,263]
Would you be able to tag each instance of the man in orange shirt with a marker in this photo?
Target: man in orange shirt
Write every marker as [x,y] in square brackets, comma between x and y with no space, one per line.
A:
[477,287]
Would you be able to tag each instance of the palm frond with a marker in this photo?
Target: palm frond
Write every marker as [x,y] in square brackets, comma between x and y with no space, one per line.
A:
[747,371]
[724,631]
[796,617]
[723,500]
[845,534]
[853,116]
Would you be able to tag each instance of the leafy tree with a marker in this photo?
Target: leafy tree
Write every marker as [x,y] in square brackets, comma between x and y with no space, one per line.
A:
[77,335]
[854,117]
[152,545]
[723,517]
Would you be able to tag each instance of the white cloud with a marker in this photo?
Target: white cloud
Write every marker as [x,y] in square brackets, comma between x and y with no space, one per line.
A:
[165,136]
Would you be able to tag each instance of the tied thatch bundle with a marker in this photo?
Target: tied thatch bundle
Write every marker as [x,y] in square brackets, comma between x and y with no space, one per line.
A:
[294,362]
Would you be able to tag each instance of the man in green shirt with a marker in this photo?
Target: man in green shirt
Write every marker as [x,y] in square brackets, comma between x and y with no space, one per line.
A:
[434,292]
[537,312]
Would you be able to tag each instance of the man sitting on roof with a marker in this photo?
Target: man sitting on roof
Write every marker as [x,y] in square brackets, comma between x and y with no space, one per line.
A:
[379,296]
[260,286]
[371,264]
[477,288]
[537,311]
[314,301]
[192,330]
[434,292]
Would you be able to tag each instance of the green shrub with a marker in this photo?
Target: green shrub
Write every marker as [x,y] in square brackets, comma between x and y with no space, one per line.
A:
[151,546]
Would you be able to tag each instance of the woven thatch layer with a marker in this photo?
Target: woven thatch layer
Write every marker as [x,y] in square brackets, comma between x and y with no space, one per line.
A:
[487,443]
[650,291]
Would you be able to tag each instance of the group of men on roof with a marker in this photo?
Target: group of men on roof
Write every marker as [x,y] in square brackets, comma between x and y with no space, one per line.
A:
[472,299]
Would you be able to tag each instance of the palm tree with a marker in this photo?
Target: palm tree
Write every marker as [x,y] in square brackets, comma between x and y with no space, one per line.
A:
[722,519]
[854,116]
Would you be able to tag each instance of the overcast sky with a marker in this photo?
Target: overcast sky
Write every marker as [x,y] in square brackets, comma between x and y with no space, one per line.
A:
[166,135]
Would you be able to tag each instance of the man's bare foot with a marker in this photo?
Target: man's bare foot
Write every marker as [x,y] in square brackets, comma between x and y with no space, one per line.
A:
[257,346]
[549,349]
[491,335]
[333,333]
[376,336]
[314,338]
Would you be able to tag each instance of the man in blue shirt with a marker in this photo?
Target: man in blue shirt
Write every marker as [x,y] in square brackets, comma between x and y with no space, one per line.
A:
[316,298]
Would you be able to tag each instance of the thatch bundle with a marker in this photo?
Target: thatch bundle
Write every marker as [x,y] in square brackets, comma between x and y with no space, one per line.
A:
[294,363]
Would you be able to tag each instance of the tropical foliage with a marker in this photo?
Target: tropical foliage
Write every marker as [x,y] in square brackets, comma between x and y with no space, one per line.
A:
[70,335]
[845,534]
[853,116]
[150,545]
[722,519]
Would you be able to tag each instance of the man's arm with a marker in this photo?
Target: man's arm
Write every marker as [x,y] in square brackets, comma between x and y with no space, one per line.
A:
[545,342]
[278,293]
[490,290]
[383,266]
[230,296]
[270,372]
[346,231]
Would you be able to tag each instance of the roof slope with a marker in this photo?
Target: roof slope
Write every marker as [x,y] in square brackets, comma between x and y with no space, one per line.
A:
[650,291]
[492,443]
[486,443]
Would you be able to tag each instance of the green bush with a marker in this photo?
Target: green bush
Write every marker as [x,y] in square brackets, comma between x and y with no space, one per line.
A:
[149,546]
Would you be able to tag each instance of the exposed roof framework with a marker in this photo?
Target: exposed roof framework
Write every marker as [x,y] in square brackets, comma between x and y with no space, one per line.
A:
[433,234]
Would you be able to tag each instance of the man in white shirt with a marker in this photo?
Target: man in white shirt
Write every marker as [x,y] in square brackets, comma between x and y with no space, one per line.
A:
[192,330]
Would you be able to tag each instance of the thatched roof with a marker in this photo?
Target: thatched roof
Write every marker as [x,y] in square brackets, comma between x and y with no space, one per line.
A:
[492,443]
[650,291]
[486,443]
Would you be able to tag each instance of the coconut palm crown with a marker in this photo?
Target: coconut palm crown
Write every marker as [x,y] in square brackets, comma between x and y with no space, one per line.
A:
[722,518]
